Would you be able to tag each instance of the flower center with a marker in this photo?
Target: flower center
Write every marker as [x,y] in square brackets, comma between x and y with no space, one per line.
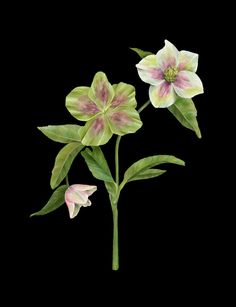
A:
[170,74]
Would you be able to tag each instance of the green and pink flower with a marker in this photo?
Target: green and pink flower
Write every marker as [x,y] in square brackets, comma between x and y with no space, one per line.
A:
[76,196]
[171,74]
[107,109]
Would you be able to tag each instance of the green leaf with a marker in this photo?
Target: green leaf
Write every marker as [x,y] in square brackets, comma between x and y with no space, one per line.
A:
[185,112]
[149,173]
[62,133]
[141,53]
[56,200]
[112,190]
[138,168]
[63,162]
[97,164]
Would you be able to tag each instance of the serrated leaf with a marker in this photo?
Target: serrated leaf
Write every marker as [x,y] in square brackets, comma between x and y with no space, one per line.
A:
[185,112]
[147,174]
[62,133]
[144,164]
[141,53]
[63,162]
[56,200]
[97,164]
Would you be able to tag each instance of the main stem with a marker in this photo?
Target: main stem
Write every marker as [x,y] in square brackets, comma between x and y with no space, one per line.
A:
[115,251]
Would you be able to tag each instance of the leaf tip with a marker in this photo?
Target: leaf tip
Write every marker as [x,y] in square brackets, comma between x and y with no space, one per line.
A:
[182,163]
[198,133]
[53,185]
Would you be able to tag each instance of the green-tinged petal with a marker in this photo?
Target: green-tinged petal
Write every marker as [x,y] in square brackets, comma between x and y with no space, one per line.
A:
[124,120]
[188,61]
[101,91]
[187,84]
[162,95]
[148,70]
[124,95]
[80,105]
[167,56]
[96,132]
[148,62]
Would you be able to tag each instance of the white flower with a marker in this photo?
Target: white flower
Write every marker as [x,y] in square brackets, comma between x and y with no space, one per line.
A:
[76,196]
[171,74]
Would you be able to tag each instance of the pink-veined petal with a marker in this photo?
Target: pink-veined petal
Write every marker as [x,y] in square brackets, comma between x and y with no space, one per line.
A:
[73,194]
[188,61]
[124,95]
[162,95]
[124,120]
[96,132]
[80,105]
[187,84]
[101,91]
[148,70]
[167,56]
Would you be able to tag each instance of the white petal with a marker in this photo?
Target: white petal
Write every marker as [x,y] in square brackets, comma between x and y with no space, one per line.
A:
[73,209]
[87,204]
[148,70]
[162,95]
[187,84]
[89,189]
[188,61]
[167,56]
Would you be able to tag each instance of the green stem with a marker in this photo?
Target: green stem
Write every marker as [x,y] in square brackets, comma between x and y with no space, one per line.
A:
[67,180]
[117,158]
[144,106]
[115,251]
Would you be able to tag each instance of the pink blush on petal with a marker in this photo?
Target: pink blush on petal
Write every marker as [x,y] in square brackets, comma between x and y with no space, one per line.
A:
[157,74]
[98,125]
[87,107]
[182,66]
[102,92]
[118,100]
[120,119]
[182,82]
[164,89]
[170,62]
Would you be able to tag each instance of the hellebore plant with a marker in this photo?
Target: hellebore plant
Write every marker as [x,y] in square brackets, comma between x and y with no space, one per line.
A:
[111,109]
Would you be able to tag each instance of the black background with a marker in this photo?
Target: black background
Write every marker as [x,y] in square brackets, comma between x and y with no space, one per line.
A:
[167,226]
